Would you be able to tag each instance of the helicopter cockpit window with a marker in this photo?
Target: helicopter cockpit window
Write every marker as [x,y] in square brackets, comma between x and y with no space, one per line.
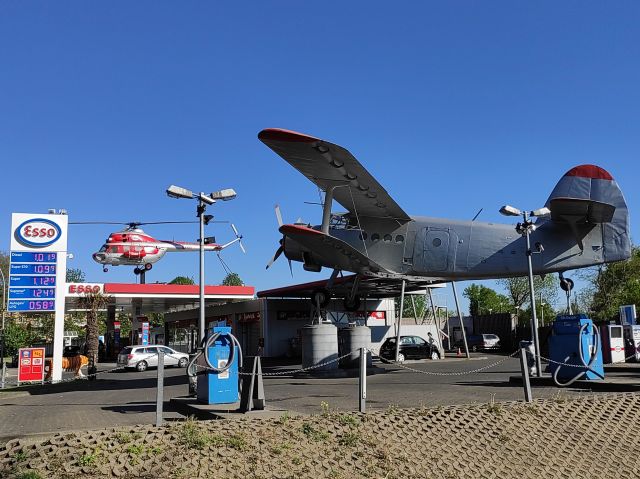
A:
[103,249]
[114,249]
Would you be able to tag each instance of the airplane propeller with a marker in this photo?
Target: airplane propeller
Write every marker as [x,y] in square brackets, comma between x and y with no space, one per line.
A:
[280,249]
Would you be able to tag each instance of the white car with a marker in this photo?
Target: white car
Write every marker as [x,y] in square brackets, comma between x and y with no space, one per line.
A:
[142,357]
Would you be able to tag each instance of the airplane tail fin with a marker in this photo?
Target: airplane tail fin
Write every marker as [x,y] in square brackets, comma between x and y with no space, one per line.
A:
[587,196]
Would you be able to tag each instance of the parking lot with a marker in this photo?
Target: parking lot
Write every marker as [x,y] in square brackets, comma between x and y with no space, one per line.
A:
[128,397]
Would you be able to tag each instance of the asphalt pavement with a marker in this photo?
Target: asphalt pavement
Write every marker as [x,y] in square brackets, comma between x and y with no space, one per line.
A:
[129,397]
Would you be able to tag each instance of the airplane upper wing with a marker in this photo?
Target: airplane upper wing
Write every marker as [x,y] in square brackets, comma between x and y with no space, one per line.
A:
[326,165]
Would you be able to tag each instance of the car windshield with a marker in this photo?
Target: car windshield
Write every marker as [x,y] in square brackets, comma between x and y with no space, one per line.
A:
[126,350]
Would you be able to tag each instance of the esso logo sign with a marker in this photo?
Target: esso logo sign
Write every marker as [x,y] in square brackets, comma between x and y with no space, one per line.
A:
[38,233]
[85,288]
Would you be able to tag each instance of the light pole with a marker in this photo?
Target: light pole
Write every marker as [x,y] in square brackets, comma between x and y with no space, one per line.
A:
[4,310]
[203,201]
[525,229]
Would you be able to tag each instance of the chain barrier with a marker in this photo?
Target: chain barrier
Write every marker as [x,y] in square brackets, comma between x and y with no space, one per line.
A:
[288,371]
[580,366]
[459,373]
[84,377]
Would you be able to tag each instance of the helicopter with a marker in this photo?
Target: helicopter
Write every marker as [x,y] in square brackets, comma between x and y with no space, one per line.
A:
[133,247]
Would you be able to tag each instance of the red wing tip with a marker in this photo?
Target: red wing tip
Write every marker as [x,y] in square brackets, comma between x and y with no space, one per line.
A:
[279,134]
[589,171]
[298,229]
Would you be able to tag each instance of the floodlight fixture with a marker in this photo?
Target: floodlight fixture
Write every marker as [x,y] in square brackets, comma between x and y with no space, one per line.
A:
[178,192]
[544,211]
[224,195]
[507,210]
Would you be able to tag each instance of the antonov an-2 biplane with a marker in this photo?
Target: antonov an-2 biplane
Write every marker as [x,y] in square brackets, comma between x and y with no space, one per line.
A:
[588,224]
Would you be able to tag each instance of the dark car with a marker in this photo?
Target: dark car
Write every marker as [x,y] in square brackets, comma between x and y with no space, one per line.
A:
[411,347]
[478,342]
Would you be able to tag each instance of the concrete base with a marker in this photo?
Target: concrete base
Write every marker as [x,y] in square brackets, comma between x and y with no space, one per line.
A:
[189,406]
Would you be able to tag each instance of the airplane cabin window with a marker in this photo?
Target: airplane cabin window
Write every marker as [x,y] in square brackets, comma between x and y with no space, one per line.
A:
[375,237]
[399,239]
[437,242]
[387,238]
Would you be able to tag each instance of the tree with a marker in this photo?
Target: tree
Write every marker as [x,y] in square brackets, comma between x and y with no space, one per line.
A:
[75,275]
[484,300]
[4,264]
[232,279]
[18,336]
[615,285]
[518,290]
[93,303]
[421,305]
[182,280]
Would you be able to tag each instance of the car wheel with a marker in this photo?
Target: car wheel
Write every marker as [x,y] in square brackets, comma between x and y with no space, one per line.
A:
[183,363]
[401,358]
[435,355]
[142,366]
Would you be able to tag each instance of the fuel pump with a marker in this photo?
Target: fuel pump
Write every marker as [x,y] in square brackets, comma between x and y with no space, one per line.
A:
[575,341]
[612,343]
[221,356]
[632,341]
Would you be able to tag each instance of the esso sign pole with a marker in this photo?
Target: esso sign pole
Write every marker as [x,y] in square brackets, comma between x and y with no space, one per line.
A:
[37,277]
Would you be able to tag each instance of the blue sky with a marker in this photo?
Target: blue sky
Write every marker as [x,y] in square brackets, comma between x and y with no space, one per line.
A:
[452,106]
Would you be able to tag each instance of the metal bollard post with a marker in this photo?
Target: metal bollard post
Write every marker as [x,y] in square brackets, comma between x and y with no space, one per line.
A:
[363,380]
[160,388]
[4,375]
[524,368]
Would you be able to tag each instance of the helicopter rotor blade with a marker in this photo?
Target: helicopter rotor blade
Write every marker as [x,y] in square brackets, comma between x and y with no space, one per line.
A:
[239,236]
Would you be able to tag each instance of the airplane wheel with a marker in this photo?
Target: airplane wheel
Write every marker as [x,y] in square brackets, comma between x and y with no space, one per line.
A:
[137,271]
[352,305]
[148,266]
[321,297]
[104,270]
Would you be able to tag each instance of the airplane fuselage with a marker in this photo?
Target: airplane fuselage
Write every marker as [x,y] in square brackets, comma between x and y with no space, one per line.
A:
[445,249]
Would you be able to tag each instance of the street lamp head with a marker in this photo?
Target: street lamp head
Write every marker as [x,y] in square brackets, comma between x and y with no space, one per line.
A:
[507,210]
[541,212]
[178,192]
[224,195]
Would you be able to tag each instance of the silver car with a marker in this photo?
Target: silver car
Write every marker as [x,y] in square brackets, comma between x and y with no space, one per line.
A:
[142,357]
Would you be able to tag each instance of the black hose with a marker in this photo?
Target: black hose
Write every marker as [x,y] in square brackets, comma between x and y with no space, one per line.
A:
[206,344]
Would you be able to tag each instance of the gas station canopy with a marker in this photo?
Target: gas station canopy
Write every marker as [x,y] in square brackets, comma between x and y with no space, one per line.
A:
[155,297]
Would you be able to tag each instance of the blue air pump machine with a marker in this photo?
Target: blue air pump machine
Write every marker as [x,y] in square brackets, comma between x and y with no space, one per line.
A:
[575,342]
[220,358]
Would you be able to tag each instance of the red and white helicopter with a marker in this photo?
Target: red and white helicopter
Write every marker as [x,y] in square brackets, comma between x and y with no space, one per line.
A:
[133,247]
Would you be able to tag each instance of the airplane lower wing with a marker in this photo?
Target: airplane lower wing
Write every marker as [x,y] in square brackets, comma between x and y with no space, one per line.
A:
[334,251]
[342,256]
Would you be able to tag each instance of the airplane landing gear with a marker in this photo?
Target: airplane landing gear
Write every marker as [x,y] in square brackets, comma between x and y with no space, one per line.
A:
[567,285]
[148,266]
[137,271]
[320,297]
[352,304]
